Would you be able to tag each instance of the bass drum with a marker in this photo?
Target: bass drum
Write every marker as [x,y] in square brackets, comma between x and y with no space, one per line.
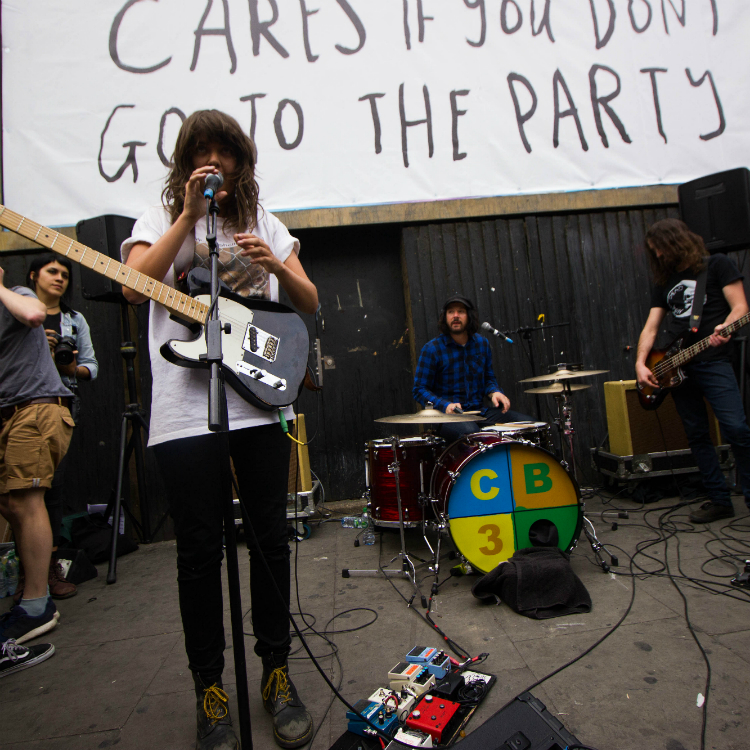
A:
[497,493]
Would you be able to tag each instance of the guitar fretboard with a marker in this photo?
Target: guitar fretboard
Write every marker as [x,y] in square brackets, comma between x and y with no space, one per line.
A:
[685,355]
[181,305]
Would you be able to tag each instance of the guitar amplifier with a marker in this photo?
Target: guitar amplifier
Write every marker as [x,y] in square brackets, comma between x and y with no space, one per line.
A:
[634,430]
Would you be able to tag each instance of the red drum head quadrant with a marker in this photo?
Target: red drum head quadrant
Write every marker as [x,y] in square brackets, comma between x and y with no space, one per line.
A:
[498,494]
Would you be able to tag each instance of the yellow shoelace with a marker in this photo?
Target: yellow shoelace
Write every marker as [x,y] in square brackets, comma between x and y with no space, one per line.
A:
[279,677]
[214,703]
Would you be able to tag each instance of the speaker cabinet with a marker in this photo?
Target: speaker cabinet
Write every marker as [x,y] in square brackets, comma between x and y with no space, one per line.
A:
[633,430]
[717,207]
[104,234]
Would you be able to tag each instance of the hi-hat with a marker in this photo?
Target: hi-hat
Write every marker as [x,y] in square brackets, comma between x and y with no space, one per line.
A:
[558,388]
[428,416]
[563,375]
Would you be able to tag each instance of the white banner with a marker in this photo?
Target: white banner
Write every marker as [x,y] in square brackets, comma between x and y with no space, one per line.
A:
[361,102]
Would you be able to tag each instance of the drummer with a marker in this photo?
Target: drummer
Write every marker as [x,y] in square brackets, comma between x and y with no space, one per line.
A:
[454,372]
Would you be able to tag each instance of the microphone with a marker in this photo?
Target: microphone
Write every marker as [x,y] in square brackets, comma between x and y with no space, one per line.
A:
[213,184]
[487,327]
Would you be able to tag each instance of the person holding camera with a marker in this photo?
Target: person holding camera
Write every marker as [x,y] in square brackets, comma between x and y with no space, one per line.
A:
[69,339]
[35,431]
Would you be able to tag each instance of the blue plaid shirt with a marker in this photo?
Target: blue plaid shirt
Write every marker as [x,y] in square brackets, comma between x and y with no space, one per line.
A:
[448,373]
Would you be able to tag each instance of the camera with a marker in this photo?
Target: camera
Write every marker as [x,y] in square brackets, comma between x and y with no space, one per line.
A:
[64,349]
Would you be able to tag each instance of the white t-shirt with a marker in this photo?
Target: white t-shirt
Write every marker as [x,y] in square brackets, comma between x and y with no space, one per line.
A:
[179,405]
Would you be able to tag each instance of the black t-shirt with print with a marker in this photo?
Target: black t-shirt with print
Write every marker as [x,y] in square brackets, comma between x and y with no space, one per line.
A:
[677,297]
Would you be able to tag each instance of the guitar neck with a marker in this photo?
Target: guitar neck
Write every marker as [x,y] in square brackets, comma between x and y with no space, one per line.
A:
[684,356]
[179,304]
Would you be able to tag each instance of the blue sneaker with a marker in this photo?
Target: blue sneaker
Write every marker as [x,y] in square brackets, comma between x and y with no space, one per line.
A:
[14,658]
[21,627]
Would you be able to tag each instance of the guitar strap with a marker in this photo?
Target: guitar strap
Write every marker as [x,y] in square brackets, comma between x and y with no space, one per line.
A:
[696,311]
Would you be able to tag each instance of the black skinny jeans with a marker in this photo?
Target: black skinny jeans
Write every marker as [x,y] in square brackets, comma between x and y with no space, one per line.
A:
[191,468]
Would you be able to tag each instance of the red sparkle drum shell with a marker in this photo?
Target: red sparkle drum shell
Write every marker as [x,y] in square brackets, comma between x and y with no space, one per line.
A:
[497,492]
[416,457]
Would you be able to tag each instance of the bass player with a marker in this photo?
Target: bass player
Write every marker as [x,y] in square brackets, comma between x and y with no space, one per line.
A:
[677,257]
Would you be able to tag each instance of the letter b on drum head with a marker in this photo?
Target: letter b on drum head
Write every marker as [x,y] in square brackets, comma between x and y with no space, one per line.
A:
[537,478]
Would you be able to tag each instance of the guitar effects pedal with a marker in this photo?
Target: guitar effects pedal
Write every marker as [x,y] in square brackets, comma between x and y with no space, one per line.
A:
[432,715]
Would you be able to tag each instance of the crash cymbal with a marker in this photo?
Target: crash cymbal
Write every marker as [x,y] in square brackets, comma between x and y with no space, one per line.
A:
[557,388]
[563,375]
[428,416]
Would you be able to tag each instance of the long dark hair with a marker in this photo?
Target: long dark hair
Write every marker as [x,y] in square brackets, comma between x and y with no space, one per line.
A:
[39,262]
[473,324]
[680,249]
[213,125]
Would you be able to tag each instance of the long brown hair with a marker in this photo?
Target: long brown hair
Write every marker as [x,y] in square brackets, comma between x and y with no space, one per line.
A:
[213,125]
[679,248]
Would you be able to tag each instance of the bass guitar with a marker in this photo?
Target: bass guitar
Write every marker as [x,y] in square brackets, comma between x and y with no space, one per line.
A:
[666,365]
[264,347]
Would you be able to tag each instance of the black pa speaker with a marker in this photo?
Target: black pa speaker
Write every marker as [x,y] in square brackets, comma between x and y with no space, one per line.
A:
[717,207]
[104,234]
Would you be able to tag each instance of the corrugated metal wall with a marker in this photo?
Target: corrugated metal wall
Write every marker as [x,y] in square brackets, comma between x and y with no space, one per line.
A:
[588,269]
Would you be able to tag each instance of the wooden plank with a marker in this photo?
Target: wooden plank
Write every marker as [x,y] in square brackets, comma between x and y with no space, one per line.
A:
[465,208]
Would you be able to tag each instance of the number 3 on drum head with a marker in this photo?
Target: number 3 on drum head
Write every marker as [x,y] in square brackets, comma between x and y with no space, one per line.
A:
[493,538]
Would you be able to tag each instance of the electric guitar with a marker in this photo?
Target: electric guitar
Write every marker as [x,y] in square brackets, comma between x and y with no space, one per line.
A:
[665,364]
[264,352]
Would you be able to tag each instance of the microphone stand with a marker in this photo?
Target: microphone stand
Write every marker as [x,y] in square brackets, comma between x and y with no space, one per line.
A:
[218,422]
[526,332]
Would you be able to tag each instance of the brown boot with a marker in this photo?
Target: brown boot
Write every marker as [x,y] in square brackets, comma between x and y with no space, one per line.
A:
[59,588]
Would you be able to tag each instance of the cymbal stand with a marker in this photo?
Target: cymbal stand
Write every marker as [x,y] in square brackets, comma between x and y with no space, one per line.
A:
[526,332]
[407,569]
[564,423]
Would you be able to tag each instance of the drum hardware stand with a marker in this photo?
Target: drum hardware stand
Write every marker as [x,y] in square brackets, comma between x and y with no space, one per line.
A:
[596,545]
[564,423]
[407,570]
[526,332]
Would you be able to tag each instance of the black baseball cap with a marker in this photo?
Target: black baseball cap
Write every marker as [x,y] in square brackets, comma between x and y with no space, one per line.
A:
[460,299]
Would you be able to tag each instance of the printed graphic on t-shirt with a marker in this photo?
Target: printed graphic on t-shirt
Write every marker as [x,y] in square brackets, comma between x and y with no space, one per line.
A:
[680,298]
[240,274]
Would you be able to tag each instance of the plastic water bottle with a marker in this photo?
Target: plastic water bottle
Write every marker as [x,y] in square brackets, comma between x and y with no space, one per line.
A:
[350,522]
[3,578]
[368,535]
[12,569]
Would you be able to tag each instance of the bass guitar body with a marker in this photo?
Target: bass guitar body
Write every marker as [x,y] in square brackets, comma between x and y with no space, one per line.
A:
[264,353]
[650,398]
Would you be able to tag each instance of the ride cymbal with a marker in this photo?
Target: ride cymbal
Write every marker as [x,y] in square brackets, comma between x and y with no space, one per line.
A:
[563,375]
[428,416]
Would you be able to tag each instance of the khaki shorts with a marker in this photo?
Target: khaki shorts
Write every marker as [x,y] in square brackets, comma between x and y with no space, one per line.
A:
[32,444]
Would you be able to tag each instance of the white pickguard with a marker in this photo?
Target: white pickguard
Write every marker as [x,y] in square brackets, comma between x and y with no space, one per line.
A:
[233,344]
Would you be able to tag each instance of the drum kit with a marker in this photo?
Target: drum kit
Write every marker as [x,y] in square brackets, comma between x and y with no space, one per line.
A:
[493,491]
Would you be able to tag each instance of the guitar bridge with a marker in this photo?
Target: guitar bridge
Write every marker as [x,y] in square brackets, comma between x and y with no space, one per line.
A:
[261,343]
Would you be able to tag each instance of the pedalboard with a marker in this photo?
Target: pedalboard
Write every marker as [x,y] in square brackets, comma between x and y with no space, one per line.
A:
[427,704]
[432,716]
